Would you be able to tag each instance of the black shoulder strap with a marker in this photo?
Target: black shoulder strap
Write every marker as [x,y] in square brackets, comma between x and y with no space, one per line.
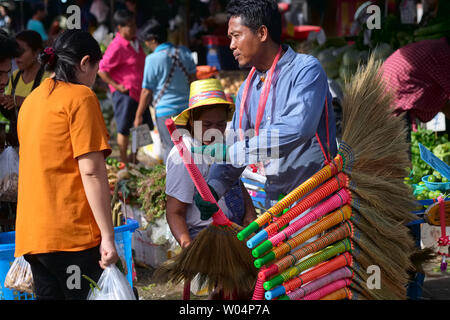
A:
[15,82]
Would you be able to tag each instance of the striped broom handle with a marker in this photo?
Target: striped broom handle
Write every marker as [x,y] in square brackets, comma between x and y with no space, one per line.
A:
[329,221]
[337,182]
[258,293]
[342,260]
[322,292]
[338,200]
[219,218]
[318,178]
[340,247]
[298,293]
[341,294]
[342,232]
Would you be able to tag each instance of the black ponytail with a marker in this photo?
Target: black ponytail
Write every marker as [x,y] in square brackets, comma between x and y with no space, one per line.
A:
[67,52]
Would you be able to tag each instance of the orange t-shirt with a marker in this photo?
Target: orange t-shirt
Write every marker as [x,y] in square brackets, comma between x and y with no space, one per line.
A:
[53,213]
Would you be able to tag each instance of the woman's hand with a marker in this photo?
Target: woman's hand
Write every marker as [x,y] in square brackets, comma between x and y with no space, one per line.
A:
[108,253]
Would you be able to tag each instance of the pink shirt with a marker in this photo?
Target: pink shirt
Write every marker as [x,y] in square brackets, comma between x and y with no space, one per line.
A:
[125,65]
[419,77]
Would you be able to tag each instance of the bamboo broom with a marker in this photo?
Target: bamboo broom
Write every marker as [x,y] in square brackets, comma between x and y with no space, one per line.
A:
[215,255]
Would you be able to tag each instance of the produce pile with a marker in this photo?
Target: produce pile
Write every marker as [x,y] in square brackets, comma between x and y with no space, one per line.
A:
[137,185]
[340,56]
[231,81]
[340,60]
[440,146]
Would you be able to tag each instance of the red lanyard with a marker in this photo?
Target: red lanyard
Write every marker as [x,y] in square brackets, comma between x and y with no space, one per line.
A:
[262,99]
[262,106]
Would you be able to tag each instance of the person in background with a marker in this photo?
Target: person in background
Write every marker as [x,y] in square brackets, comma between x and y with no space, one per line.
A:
[26,78]
[167,74]
[5,20]
[9,49]
[122,68]
[63,208]
[35,23]
[210,109]
[133,6]
[418,76]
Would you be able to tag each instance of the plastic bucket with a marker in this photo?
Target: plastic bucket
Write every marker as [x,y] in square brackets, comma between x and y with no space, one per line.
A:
[123,236]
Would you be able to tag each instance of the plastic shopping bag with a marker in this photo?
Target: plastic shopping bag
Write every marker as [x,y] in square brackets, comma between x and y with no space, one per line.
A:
[9,174]
[112,285]
[19,276]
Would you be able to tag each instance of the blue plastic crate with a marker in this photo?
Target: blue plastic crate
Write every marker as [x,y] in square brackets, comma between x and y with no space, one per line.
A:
[123,237]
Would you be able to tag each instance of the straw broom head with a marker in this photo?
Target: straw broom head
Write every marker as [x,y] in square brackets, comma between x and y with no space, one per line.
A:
[237,275]
[375,145]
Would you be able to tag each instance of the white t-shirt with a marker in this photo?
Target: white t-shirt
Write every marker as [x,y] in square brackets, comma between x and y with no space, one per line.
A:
[180,186]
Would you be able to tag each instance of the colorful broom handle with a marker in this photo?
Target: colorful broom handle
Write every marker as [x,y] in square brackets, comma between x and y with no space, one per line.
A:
[297,293]
[322,292]
[219,218]
[329,187]
[340,247]
[341,294]
[342,232]
[339,199]
[258,293]
[318,178]
[342,260]
[329,221]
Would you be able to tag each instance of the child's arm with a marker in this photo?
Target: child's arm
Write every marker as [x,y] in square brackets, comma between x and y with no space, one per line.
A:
[176,218]
[250,212]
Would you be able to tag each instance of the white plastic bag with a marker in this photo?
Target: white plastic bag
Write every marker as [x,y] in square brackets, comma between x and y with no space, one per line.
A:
[19,276]
[113,286]
[9,174]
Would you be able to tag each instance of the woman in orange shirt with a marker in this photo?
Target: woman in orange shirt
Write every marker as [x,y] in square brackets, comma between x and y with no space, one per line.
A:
[64,226]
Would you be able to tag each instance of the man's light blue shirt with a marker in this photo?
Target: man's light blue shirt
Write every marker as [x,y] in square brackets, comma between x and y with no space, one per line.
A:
[293,114]
[157,67]
[37,26]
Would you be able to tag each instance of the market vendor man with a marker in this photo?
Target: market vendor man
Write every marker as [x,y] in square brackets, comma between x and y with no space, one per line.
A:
[285,101]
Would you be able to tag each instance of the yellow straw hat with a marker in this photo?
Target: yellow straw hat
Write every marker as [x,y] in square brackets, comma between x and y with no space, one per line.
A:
[203,93]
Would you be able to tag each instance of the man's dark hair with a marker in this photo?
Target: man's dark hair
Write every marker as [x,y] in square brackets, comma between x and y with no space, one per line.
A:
[256,13]
[153,30]
[38,7]
[122,17]
[9,48]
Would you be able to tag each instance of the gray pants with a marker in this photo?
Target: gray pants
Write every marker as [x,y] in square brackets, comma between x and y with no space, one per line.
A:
[164,134]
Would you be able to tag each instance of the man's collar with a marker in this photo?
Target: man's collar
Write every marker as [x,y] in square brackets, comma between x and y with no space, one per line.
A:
[287,57]
[122,40]
[163,46]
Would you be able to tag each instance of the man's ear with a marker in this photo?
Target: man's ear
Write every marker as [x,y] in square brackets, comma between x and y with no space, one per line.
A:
[84,63]
[263,33]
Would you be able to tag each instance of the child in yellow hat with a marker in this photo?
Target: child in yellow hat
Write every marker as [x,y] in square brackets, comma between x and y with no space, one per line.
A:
[209,111]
